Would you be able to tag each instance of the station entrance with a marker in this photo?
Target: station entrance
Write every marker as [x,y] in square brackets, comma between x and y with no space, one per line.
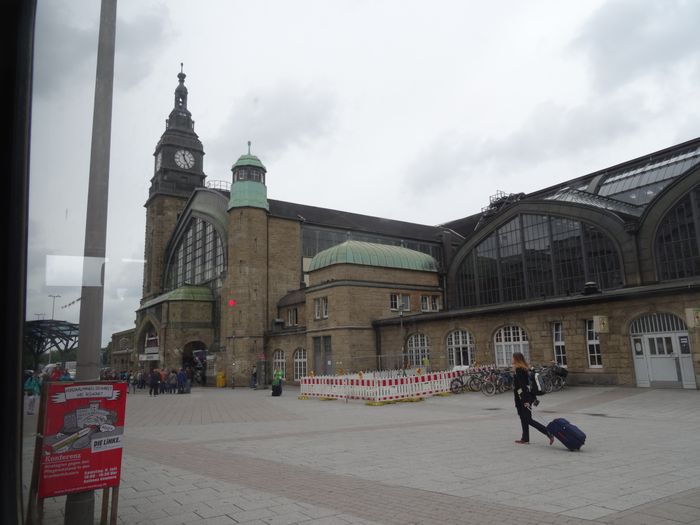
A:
[661,352]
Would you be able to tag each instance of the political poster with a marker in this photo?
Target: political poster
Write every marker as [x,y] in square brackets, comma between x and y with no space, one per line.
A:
[83,436]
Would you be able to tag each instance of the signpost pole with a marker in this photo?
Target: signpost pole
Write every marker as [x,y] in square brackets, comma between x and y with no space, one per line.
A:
[80,507]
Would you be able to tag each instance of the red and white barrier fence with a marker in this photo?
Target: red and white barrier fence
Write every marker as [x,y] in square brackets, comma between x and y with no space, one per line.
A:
[377,388]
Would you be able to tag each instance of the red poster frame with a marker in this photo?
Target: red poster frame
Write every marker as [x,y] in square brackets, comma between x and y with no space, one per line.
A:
[81,436]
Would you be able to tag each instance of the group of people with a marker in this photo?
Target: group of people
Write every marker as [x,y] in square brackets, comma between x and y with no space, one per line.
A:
[164,381]
[33,382]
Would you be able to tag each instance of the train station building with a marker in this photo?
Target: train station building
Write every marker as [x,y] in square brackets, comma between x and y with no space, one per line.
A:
[599,273]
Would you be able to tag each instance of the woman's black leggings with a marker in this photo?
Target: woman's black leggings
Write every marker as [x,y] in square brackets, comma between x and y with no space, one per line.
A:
[526,421]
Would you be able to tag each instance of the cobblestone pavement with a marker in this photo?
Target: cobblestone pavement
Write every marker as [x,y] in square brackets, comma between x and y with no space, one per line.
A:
[222,456]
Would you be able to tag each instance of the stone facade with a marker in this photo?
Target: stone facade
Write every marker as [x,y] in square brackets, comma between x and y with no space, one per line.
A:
[122,355]
[537,322]
[264,304]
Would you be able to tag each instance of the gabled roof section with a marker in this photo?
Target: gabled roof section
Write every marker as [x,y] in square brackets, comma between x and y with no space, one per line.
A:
[464,227]
[188,292]
[354,221]
[294,297]
[370,254]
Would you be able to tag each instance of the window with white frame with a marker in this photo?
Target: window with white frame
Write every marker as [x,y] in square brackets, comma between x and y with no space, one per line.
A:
[508,340]
[321,308]
[278,362]
[429,303]
[460,348]
[299,364]
[558,342]
[400,301]
[292,317]
[418,349]
[595,358]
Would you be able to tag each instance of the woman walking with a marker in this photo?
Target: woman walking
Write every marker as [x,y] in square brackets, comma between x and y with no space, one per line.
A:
[524,399]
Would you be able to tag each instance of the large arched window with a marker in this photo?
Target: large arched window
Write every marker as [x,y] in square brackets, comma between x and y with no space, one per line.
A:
[418,349]
[278,362]
[676,244]
[199,257]
[299,364]
[535,256]
[460,348]
[507,341]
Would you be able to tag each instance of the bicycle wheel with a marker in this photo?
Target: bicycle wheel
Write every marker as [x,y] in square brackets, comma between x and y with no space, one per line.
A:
[488,388]
[546,382]
[456,385]
[557,383]
[475,383]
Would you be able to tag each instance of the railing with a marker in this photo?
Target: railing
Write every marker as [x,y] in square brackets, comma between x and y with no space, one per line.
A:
[386,385]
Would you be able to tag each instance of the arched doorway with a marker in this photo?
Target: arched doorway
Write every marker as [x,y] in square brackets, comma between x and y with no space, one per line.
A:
[661,351]
[194,361]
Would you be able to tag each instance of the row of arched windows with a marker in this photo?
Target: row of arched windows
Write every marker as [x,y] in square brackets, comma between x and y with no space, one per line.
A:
[461,348]
[299,358]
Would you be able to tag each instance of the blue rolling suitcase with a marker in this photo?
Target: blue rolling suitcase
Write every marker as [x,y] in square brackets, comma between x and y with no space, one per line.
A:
[570,435]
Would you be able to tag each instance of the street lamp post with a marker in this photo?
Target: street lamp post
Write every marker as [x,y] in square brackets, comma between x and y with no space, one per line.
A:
[53,306]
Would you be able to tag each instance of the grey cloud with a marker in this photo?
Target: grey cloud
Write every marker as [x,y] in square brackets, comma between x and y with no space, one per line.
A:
[274,120]
[627,39]
[550,133]
[137,44]
[66,53]
[61,49]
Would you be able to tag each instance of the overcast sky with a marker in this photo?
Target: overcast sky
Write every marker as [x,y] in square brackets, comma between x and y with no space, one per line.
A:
[410,110]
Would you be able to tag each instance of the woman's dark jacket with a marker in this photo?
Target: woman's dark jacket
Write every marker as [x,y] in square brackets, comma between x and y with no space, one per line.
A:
[521,386]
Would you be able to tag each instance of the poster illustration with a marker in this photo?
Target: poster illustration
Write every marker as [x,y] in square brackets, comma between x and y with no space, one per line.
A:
[83,432]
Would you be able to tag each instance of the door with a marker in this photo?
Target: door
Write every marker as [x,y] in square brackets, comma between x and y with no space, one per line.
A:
[641,367]
[661,351]
[663,359]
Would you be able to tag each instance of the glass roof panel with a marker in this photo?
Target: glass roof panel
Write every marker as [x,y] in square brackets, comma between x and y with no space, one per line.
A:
[589,199]
[657,171]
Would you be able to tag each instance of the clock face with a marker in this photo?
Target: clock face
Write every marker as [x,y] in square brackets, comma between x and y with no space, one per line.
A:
[159,160]
[184,159]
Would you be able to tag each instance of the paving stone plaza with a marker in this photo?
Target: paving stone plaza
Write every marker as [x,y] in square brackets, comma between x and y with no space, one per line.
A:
[222,456]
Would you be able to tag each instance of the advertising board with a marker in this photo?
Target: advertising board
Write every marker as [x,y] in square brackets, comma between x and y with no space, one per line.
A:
[83,431]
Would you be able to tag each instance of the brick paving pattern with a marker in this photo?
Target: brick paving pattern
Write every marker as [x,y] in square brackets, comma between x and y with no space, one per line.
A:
[220,456]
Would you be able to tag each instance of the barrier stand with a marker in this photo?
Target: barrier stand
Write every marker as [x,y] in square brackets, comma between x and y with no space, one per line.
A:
[107,508]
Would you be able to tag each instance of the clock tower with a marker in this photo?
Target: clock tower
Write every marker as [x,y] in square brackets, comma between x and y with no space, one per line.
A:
[178,170]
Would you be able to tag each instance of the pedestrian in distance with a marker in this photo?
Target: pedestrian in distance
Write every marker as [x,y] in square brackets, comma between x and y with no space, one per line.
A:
[277,378]
[172,382]
[254,377]
[153,382]
[181,381]
[132,382]
[524,399]
[163,380]
[32,386]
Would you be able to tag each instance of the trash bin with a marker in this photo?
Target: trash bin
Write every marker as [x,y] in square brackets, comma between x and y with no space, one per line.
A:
[220,379]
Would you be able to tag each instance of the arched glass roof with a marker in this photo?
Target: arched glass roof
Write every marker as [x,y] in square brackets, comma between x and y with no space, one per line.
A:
[370,254]
[629,188]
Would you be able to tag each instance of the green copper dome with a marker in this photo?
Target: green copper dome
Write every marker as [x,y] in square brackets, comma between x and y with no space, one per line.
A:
[370,254]
[248,160]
